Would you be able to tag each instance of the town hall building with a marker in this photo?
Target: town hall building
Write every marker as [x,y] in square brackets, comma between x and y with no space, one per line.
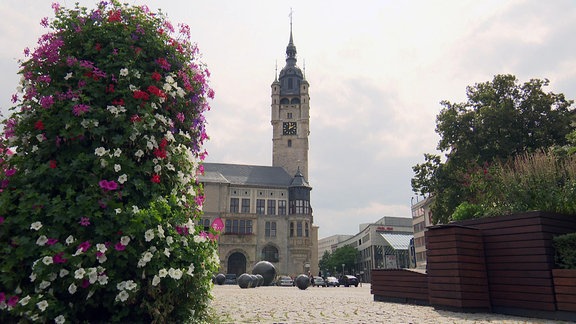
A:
[266,210]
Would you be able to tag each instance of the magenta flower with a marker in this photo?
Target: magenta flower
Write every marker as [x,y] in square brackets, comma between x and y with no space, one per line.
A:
[51,241]
[10,172]
[119,247]
[85,283]
[80,109]
[59,258]
[108,185]
[84,221]
[84,246]
[218,224]
[12,301]
[47,101]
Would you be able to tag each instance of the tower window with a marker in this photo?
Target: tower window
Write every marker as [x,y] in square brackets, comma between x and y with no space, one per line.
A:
[260,206]
[289,143]
[289,115]
[281,207]
[290,83]
[299,229]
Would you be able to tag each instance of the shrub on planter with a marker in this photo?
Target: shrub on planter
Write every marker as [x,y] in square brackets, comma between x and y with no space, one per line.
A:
[98,164]
[565,246]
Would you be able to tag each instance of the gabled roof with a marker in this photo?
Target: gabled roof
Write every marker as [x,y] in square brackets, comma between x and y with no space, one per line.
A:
[239,174]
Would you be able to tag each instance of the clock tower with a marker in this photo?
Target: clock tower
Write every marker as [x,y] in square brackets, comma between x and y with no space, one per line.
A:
[290,116]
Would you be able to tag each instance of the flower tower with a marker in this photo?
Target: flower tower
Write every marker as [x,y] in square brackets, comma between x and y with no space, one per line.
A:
[98,163]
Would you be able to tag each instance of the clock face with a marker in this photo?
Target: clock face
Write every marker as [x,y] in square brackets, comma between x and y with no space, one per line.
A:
[289,128]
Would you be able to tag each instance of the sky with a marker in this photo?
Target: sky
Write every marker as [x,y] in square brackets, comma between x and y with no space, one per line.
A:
[378,70]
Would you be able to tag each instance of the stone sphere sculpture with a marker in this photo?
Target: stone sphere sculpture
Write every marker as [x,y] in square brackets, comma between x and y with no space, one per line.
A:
[245,281]
[260,280]
[302,281]
[254,281]
[219,279]
[266,270]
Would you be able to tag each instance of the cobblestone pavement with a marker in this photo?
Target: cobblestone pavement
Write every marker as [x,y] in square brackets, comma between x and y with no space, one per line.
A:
[334,305]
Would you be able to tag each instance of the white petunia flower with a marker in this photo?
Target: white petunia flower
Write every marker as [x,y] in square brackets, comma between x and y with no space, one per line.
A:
[60,319]
[157,168]
[117,152]
[167,252]
[103,279]
[72,288]
[130,285]
[44,284]
[47,260]
[149,235]
[169,240]
[124,72]
[117,167]
[64,273]
[32,277]
[139,153]
[101,247]
[68,76]
[42,305]
[100,151]
[147,256]
[103,163]
[118,210]
[34,148]
[190,271]
[135,209]
[160,231]
[36,226]
[155,280]
[124,240]
[69,240]
[24,301]
[122,296]
[162,273]
[41,240]
[123,178]
[40,137]
[121,285]
[79,274]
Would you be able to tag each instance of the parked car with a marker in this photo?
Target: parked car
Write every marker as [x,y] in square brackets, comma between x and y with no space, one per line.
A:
[332,282]
[230,279]
[347,280]
[285,281]
[318,282]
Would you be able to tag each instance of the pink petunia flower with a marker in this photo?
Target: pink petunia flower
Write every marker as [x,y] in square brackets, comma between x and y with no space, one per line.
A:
[12,301]
[84,246]
[51,241]
[84,221]
[108,185]
[59,258]
[218,224]
[10,172]
[119,247]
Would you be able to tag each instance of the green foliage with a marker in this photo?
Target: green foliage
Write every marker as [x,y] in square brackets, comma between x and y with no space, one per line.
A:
[98,190]
[532,181]
[565,246]
[344,255]
[501,119]
[467,210]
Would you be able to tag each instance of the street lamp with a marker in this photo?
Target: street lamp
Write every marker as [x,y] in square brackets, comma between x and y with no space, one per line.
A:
[342,268]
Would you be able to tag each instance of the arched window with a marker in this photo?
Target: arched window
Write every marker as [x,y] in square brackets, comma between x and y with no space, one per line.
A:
[289,143]
[270,253]
[295,101]
[291,229]
[284,101]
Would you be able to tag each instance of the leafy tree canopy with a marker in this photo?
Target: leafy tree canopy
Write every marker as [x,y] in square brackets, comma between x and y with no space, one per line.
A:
[344,255]
[501,119]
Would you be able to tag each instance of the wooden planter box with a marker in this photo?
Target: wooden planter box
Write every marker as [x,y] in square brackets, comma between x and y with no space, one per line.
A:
[565,289]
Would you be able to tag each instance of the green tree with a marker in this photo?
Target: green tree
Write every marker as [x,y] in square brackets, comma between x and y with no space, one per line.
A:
[343,255]
[501,119]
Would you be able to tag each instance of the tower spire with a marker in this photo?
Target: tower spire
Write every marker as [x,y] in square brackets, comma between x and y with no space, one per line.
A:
[291,48]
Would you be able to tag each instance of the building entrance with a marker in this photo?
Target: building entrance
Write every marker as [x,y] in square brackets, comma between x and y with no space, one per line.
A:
[237,263]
